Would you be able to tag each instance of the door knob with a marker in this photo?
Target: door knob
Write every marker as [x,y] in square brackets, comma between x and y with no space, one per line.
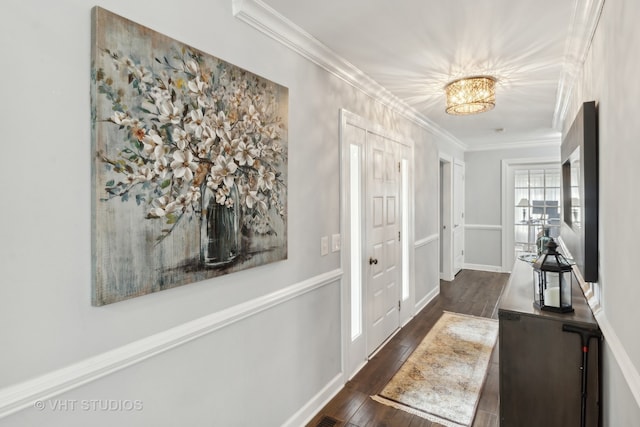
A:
[372,261]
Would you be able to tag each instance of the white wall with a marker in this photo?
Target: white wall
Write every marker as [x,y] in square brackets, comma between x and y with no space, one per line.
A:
[427,269]
[610,78]
[483,202]
[257,370]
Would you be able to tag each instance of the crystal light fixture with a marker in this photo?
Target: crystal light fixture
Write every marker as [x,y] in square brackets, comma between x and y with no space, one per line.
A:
[471,95]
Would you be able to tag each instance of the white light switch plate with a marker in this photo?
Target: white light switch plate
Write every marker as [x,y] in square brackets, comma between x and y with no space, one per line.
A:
[324,245]
[335,243]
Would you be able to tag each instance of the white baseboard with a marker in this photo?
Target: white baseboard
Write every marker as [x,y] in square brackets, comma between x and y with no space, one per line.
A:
[427,299]
[482,267]
[23,395]
[313,406]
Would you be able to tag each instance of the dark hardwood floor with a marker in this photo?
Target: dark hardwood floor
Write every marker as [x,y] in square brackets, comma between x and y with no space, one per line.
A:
[472,292]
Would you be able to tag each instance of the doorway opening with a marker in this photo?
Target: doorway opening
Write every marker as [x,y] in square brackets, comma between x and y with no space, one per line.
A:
[446,219]
[451,189]
[530,205]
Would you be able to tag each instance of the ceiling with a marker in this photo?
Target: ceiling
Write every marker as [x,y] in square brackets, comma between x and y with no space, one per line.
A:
[412,48]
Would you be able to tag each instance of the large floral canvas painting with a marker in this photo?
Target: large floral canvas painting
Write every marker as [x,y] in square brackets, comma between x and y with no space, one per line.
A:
[190,163]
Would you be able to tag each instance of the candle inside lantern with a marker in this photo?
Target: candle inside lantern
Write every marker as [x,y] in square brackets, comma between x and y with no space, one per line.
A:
[552,297]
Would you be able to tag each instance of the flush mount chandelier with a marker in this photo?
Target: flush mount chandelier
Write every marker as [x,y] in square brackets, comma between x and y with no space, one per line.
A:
[471,95]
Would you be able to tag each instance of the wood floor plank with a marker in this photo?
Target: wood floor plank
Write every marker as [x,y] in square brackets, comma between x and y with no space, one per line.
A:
[421,422]
[342,407]
[471,292]
[374,414]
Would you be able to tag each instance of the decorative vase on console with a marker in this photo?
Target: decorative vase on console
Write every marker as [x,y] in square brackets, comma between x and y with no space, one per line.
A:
[542,240]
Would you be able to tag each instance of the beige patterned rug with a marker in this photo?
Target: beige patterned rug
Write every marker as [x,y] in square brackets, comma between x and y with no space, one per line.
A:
[442,379]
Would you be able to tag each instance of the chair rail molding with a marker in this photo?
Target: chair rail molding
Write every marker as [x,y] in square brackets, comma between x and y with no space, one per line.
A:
[25,394]
[425,241]
[496,227]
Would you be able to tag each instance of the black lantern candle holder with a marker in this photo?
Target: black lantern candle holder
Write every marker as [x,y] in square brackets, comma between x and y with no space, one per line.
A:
[552,281]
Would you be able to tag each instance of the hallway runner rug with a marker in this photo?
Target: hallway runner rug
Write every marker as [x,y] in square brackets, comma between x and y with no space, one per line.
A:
[442,379]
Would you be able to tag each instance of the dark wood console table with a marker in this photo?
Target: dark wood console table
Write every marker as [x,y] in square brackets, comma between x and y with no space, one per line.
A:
[540,364]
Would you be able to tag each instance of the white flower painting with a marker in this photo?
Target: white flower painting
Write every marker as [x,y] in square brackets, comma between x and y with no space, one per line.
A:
[190,163]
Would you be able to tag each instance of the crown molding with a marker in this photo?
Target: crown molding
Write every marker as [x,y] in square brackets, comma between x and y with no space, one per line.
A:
[267,20]
[586,15]
[547,141]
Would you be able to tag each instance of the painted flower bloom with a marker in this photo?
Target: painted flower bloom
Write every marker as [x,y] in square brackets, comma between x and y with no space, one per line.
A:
[253,116]
[266,178]
[153,145]
[181,138]
[193,194]
[246,153]
[183,165]
[159,207]
[168,112]
[221,194]
[160,167]
[191,67]
[197,124]
[249,197]
[197,86]
[146,174]
[225,169]
[121,118]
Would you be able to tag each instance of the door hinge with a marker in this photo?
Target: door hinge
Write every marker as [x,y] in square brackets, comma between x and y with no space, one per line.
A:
[399,167]
[399,309]
[398,236]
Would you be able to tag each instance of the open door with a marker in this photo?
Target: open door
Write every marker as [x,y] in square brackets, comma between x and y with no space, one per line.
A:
[458,217]
[446,219]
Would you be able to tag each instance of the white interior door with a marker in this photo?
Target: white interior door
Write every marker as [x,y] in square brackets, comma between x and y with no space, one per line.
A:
[458,216]
[446,220]
[383,248]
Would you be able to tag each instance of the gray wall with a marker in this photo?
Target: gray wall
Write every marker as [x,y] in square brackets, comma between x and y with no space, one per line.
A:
[610,78]
[275,360]
[483,202]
